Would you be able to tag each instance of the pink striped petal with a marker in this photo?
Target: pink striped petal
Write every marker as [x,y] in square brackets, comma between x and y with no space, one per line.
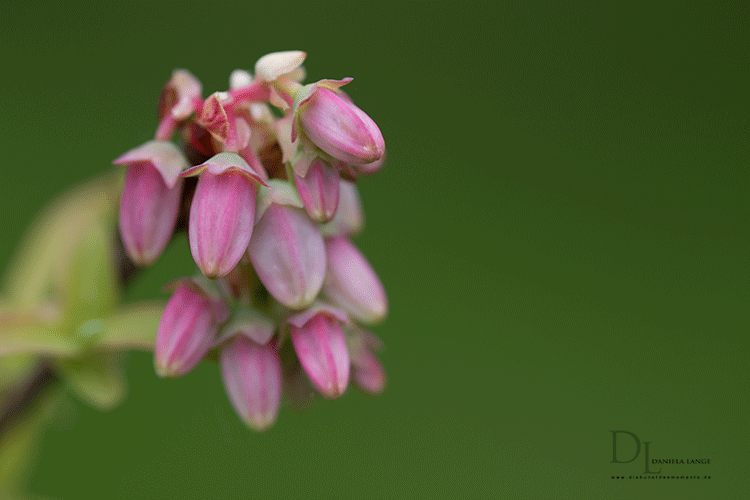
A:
[221,221]
[322,352]
[150,199]
[340,128]
[288,254]
[148,213]
[186,332]
[319,190]
[351,282]
[350,217]
[252,379]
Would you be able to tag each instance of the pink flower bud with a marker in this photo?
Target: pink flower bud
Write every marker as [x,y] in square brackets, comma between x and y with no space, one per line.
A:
[350,217]
[338,127]
[351,283]
[321,348]
[288,254]
[150,199]
[252,378]
[367,372]
[222,213]
[319,190]
[187,329]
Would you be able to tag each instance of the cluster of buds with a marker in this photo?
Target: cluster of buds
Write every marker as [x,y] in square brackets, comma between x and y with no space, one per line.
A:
[283,295]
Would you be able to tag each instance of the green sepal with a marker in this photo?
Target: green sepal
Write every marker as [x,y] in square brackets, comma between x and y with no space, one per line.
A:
[249,322]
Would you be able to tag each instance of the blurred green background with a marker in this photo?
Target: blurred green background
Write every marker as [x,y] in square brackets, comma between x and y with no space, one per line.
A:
[562,229]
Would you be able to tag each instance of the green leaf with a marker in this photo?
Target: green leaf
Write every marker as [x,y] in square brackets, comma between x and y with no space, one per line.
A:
[39,267]
[36,331]
[132,327]
[97,378]
[92,290]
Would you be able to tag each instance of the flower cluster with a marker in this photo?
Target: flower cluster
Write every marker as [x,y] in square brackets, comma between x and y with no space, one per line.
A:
[283,293]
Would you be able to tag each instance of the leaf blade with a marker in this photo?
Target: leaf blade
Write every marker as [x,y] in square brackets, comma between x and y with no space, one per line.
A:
[132,327]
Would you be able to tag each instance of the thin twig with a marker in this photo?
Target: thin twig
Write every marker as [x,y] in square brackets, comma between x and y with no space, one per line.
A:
[21,397]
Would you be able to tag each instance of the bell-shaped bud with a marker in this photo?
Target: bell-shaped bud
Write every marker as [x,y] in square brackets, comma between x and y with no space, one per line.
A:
[150,199]
[335,125]
[252,379]
[286,248]
[351,282]
[350,217]
[222,212]
[180,97]
[319,190]
[367,372]
[321,348]
[187,328]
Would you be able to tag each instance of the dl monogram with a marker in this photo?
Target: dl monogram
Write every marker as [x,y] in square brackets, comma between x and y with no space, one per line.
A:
[637,450]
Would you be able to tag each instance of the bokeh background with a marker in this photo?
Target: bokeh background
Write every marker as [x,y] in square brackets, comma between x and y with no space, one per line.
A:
[562,229]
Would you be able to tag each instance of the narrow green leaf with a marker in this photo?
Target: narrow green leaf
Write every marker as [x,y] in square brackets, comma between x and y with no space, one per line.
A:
[41,261]
[132,327]
[92,290]
[98,379]
[36,331]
